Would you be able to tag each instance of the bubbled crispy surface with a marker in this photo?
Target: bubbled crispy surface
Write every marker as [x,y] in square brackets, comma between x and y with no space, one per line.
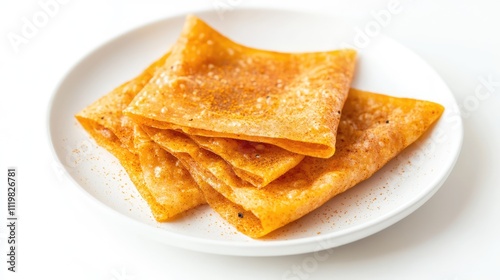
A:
[374,128]
[169,183]
[107,111]
[254,162]
[235,105]
[165,185]
[211,86]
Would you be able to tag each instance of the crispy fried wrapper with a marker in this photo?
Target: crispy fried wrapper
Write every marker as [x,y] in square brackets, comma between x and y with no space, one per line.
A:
[374,128]
[211,86]
[161,180]
[256,163]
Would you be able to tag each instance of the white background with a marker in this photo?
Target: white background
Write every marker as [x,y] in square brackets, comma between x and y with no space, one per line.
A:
[455,235]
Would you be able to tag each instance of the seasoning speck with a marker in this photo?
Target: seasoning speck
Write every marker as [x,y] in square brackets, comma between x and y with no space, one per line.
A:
[240,215]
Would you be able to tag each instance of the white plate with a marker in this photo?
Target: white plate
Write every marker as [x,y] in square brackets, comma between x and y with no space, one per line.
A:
[384,66]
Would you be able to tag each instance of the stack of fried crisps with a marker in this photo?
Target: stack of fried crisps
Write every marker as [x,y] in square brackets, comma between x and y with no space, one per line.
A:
[263,137]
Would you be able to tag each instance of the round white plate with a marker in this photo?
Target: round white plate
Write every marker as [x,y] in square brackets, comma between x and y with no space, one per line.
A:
[384,66]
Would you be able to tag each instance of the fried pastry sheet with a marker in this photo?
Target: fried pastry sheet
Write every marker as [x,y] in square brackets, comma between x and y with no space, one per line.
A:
[374,128]
[158,176]
[211,86]
[256,163]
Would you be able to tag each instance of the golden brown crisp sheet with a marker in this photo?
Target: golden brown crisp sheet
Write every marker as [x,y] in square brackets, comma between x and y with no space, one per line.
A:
[169,183]
[211,86]
[105,115]
[257,163]
[374,128]
[254,162]
[165,185]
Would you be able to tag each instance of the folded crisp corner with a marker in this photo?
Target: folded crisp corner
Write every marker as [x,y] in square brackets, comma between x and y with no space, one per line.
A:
[212,86]
[374,128]
[165,185]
